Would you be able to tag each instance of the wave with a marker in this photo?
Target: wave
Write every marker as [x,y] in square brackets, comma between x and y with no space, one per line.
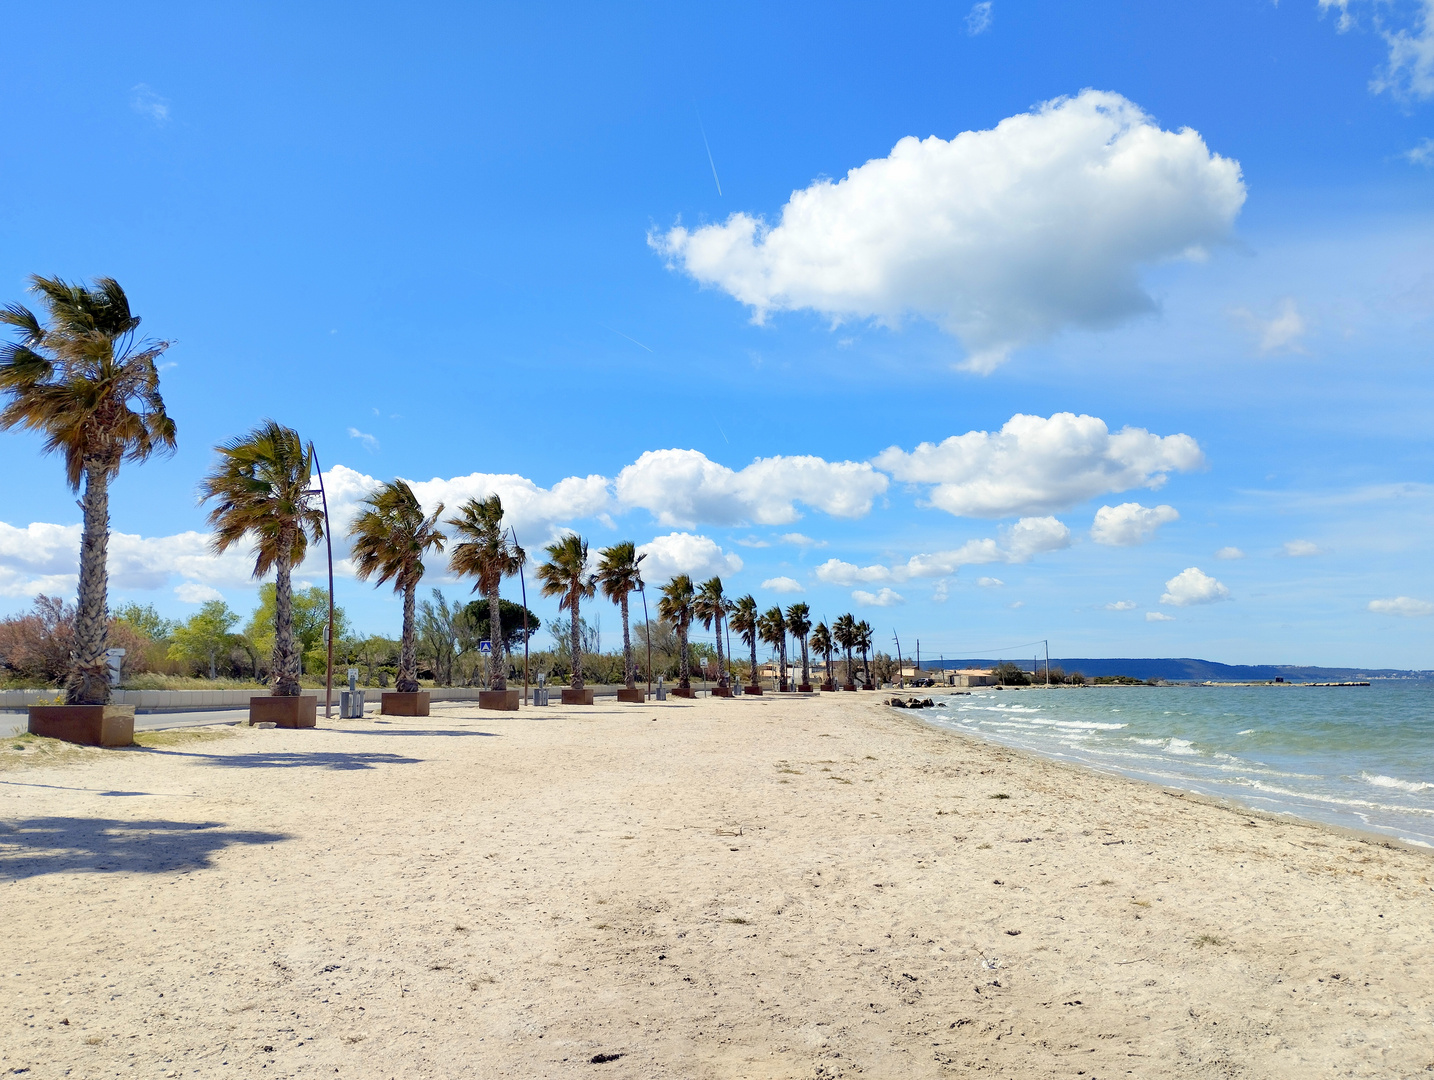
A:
[1392,782]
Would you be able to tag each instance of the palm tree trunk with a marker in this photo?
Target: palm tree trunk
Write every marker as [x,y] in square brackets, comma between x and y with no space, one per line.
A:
[89,682]
[407,682]
[829,668]
[806,667]
[286,654]
[850,671]
[577,680]
[499,680]
[628,671]
[721,668]
[685,681]
[753,643]
[782,659]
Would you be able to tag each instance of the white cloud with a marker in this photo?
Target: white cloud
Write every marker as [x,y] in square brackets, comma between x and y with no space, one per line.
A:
[1001,237]
[754,542]
[990,582]
[885,598]
[1406,606]
[836,572]
[1130,523]
[782,584]
[1408,70]
[536,512]
[1017,605]
[1281,332]
[1036,465]
[1229,553]
[1027,538]
[1193,586]
[978,19]
[683,488]
[1298,549]
[798,540]
[1121,605]
[146,102]
[942,592]
[1158,616]
[370,442]
[683,553]
[1422,153]
[192,593]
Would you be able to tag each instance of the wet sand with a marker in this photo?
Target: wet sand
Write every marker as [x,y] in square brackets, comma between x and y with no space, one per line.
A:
[801,887]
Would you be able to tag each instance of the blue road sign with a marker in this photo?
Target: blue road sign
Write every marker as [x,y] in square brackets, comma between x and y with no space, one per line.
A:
[485,646]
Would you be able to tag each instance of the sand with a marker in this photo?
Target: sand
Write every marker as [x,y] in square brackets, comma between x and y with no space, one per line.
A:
[800,887]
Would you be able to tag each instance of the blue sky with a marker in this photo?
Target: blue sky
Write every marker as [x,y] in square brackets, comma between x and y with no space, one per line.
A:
[441,244]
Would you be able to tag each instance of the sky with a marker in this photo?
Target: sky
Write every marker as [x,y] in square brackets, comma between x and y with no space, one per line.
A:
[1103,324]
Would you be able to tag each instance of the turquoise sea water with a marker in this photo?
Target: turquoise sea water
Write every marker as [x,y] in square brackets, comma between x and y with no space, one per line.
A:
[1362,757]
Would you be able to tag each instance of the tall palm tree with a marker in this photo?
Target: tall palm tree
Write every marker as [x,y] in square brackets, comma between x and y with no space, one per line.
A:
[844,634]
[390,537]
[744,621]
[92,390]
[863,643]
[619,575]
[486,552]
[260,487]
[565,575]
[711,607]
[799,622]
[676,606]
[773,627]
[822,646]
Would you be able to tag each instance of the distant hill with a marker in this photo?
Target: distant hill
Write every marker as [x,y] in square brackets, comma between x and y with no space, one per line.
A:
[1188,670]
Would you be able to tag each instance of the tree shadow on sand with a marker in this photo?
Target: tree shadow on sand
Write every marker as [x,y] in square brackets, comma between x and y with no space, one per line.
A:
[55,845]
[427,731]
[339,762]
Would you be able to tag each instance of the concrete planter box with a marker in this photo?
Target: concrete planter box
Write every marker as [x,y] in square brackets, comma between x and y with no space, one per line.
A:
[291,712]
[804,688]
[755,691]
[634,697]
[828,688]
[721,691]
[850,688]
[683,691]
[577,697]
[393,703]
[500,700]
[88,725]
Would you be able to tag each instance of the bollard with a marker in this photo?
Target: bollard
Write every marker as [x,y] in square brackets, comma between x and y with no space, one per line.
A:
[661,690]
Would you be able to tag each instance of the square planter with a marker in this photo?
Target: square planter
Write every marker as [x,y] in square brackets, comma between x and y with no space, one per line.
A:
[393,703]
[88,725]
[635,697]
[683,691]
[755,691]
[721,691]
[291,712]
[850,688]
[499,700]
[828,688]
[577,697]
[804,688]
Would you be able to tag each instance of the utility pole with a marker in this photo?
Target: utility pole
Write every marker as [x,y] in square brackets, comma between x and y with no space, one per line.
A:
[1047,644]
[900,679]
[523,582]
[918,658]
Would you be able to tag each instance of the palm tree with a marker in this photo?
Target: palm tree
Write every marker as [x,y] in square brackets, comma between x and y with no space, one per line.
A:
[822,645]
[862,640]
[92,391]
[773,628]
[565,575]
[711,607]
[744,621]
[676,606]
[390,537]
[844,634]
[619,574]
[486,553]
[260,486]
[799,622]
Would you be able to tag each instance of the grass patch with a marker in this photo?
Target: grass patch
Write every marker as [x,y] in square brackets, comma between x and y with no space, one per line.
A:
[1207,939]
[999,795]
[183,736]
[793,772]
[23,751]
[737,920]
[1105,881]
[983,847]
[1141,903]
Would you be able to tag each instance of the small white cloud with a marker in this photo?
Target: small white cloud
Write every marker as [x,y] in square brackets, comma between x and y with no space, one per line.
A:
[782,584]
[1121,605]
[683,553]
[193,593]
[1408,70]
[978,19]
[1406,606]
[837,572]
[1130,523]
[1281,332]
[1422,153]
[146,102]
[1193,586]
[1158,616]
[1229,553]
[754,542]
[798,540]
[885,598]
[370,443]
[942,592]
[1016,605]
[990,582]
[1021,542]
[1299,549]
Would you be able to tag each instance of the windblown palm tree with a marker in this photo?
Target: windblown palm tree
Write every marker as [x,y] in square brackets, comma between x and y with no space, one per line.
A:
[844,634]
[92,391]
[565,575]
[711,607]
[619,575]
[486,553]
[390,537]
[676,606]
[744,621]
[862,640]
[799,622]
[260,487]
[822,645]
[773,627]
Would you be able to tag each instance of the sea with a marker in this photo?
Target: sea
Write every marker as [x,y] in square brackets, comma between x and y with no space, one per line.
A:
[1357,756]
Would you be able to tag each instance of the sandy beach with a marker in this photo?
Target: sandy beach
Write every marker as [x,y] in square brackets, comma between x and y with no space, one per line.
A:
[799,887]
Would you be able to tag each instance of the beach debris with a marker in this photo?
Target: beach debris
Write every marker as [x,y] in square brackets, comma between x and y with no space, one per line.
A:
[911,703]
[1014,933]
[990,963]
[603,1059]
